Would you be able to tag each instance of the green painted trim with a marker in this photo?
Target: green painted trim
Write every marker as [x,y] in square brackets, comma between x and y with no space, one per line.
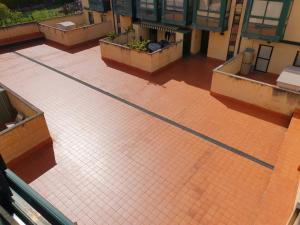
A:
[283,18]
[290,42]
[48,211]
[223,21]
[281,22]
[99,5]
[142,16]
[175,22]
[121,9]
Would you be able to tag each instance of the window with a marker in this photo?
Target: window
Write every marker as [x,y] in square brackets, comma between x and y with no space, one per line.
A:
[174,11]
[99,5]
[212,14]
[147,4]
[266,19]
[147,9]
[263,58]
[123,7]
[297,59]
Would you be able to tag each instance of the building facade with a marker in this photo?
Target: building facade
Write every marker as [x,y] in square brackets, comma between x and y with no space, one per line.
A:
[270,27]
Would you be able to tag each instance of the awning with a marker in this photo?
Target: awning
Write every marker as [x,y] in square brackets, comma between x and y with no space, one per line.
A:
[157,26]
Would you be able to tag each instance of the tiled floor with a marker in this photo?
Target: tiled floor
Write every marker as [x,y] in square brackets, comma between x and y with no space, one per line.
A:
[118,165]
[269,78]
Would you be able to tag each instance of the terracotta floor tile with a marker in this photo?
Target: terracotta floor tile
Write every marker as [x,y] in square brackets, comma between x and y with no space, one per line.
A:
[118,165]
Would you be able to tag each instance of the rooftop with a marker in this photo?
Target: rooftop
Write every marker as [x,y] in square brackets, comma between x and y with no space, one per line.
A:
[132,148]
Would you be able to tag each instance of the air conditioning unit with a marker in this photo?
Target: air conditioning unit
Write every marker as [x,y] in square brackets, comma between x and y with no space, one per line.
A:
[6,110]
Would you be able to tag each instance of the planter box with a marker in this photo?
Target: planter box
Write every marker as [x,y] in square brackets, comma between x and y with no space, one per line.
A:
[76,36]
[148,62]
[26,136]
[225,82]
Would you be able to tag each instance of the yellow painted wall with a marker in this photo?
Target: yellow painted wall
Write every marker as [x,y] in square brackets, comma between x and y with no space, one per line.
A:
[78,19]
[85,3]
[292,32]
[283,54]
[141,31]
[26,135]
[125,22]
[196,41]
[255,93]
[78,35]
[21,105]
[22,138]
[11,33]
[218,44]
[149,62]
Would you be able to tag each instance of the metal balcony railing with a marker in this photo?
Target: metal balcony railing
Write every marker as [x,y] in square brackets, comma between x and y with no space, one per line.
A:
[20,203]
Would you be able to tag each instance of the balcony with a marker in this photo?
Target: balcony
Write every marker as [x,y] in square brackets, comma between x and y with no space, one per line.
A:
[99,5]
[20,204]
[23,128]
[211,15]
[266,19]
[125,49]
[147,10]
[123,7]
[177,12]
[255,88]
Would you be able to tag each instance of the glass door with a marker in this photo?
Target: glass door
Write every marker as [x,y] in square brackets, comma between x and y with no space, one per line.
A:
[263,58]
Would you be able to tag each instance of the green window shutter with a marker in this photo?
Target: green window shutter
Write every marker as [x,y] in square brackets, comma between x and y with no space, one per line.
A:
[211,15]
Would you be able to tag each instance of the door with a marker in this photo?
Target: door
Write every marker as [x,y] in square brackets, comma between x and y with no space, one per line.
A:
[91,17]
[153,35]
[263,58]
[204,42]
[187,38]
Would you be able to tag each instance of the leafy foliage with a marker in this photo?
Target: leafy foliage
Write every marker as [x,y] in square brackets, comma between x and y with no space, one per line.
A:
[139,45]
[19,4]
[111,35]
[8,17]
[4,11]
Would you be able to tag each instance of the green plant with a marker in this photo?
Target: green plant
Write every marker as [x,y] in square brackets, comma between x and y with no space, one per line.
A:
[139,45]
[4,11]
[111,35]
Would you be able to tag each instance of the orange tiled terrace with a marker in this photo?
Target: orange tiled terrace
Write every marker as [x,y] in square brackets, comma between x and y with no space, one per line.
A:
[132,148]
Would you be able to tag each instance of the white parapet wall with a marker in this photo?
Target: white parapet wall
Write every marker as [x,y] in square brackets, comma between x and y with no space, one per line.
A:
[225,82]
[148,62]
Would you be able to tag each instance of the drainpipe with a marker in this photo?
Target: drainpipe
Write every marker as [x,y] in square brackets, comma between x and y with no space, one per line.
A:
[114,16]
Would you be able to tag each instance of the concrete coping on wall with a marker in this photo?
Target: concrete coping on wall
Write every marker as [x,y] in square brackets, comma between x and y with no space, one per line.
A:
[37,112]
[219,70]
[76,28]
[107,41]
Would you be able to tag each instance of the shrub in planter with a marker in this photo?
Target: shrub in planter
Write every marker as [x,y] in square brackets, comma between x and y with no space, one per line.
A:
[111,35]
[139,45]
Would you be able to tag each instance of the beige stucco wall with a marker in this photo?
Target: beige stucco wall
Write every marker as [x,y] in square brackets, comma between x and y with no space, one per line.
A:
[220,40]
[76,36]
[26,135]
[85,3]
[21,105]
[141,31]
[196,41]
[23,137]
[283,55]
[255,93]
[292,32]
[12,34]
[125,22]
[78,19]
[149,62]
